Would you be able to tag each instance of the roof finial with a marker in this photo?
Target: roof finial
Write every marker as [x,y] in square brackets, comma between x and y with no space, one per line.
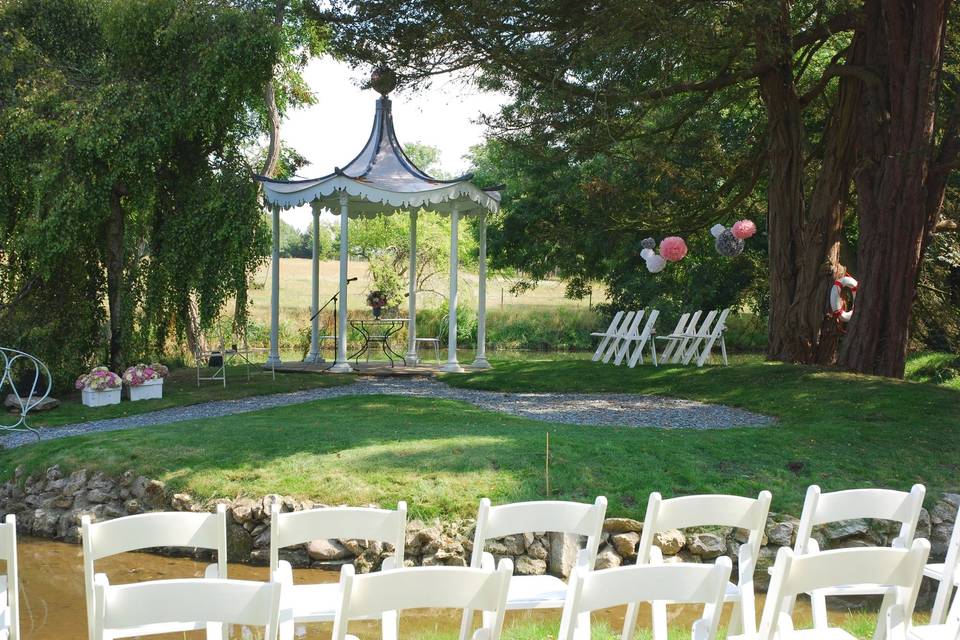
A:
[383,80]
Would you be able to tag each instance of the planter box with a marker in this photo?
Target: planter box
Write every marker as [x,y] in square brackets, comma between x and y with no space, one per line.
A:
[147,391]
[93,398]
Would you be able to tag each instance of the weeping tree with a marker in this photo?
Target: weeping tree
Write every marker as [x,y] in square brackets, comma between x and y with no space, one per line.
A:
[125,127]
[846,112]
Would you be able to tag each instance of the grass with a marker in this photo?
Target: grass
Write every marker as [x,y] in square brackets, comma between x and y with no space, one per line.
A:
[837,430]
[180,389]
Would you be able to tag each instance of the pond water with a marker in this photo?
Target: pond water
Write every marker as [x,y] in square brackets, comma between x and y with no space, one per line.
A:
[52,601]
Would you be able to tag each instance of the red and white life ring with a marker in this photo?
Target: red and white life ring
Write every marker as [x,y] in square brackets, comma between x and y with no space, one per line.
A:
[838,306]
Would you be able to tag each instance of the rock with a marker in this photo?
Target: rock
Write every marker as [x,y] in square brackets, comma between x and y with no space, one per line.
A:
[622,525]
[924,524]
[670,542]
[707,546]
[765,560]
[132,506]
[607,558]
[563,553]
[626,543]
[782,534]
[242,510]
[538,551]
[507,546]
[355,547]
[296,556]
[239,543]
[11,402]
[97,496]
[843,529]
[182,502]
[54,473]
[527,566]
[324,550]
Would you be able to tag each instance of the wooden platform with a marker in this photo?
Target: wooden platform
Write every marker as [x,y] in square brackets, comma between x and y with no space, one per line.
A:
[372,368]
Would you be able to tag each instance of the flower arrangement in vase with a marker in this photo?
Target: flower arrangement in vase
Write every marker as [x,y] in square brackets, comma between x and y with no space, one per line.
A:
[99,388]
[145,382]
[376,300]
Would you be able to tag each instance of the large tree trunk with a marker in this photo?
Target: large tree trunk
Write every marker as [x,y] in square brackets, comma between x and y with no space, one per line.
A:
[115,259]
[898,194]
[804,240]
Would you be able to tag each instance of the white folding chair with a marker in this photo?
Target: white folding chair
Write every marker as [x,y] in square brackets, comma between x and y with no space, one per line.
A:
[948,628]
[639,341]
[685,325]
[677,583]
[700,511]
[387,593]
[536,592]
[9,582]
[629,336]
[147,531]
[692,336]
[605,336]
[153,608]
[880,504]
[947,575]
[318,602]
[621,333]
[895,572]
[710,339]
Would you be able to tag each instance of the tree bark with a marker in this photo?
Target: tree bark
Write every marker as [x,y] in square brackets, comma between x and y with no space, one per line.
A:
[899,197]
[115,260]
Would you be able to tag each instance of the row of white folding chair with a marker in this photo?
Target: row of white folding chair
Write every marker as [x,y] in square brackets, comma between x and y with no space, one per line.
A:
[9,582]
[624,334]
[690,339]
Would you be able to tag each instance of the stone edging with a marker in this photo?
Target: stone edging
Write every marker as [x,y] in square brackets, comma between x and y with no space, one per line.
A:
[51,505]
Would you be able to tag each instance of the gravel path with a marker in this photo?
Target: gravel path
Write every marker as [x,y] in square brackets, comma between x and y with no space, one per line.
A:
[601,409]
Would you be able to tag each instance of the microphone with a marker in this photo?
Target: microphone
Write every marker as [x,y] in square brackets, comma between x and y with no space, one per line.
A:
[350,279]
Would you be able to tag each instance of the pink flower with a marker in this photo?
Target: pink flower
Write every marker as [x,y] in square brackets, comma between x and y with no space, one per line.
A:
[743,229]
[673,248]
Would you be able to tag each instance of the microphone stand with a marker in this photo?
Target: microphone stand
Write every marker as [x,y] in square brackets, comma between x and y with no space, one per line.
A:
[334,298]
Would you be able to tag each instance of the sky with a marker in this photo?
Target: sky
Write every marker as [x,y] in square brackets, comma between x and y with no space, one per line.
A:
[332,131]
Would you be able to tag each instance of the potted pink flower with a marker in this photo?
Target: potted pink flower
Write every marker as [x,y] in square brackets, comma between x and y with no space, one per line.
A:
[99,388]
[376,300]
[145,381]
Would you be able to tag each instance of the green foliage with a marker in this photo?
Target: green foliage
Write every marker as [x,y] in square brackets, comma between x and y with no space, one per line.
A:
[137,111]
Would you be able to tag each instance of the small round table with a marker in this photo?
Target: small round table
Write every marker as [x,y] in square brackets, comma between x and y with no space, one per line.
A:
[378,331]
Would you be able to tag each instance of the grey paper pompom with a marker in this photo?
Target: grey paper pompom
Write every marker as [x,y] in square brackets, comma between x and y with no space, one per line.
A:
[728,244]
[648,243]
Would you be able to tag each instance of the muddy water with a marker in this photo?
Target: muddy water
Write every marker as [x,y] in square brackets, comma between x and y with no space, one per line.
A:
[52,601]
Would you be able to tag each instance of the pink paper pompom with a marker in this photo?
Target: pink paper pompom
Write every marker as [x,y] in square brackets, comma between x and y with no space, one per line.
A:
[673,248]
[744,229]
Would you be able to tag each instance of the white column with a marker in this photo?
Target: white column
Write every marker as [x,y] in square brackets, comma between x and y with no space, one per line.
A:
[342,365]
[481,360]
[314,355]
[411,356]
[452,365]
[274,357]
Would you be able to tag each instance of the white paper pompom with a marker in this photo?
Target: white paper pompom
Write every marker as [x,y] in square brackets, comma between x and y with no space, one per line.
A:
[716,230]
[646,253]
[656,263]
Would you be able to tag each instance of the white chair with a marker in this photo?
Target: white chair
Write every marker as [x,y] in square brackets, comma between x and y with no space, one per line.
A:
[435,342]
[9,583]
[946,629]
[536,592]
[880,504]
[153,608]
[895,572]
[605,336]
[628,321]
[387,593]
[639,340]
[629,336]
[709,337]
[147,531]
[685,325]
[318,602]
[677,583]
[691,336]
[939,572]
[700,511]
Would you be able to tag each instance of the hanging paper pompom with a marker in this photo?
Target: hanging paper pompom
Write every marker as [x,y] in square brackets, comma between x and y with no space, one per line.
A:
[656,263]
[646,253]
[648,243]
[673,248]
[744,229]
[728,244]
[716,230]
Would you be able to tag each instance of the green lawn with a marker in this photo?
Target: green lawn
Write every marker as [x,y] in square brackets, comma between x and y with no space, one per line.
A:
[180,388]
[837,430]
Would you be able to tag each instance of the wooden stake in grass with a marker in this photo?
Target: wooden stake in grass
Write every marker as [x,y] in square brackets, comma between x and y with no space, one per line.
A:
[546,465]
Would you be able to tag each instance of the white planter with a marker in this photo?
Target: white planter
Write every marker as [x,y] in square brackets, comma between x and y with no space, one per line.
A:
[147,391]
[93,398]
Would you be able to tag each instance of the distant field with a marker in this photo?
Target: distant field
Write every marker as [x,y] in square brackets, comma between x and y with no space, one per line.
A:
[295,291]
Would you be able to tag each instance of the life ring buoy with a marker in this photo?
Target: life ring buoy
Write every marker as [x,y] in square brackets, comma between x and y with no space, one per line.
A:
[838,306]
